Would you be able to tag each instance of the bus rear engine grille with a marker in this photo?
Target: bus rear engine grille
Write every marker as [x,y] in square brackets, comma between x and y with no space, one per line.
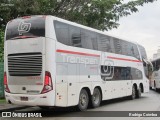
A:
[25,64]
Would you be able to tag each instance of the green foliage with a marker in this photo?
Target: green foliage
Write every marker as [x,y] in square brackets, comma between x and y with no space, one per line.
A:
[2,101]
[99,14]
[1,44]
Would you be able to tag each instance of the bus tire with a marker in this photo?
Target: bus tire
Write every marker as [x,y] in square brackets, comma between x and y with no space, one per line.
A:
[157,90]
[133,95]
[83,100]
[139,92]
[155,86]
[150,88]
[96,98]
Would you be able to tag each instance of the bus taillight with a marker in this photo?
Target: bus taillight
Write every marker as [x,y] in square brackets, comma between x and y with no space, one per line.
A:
[47,83]
[6,83]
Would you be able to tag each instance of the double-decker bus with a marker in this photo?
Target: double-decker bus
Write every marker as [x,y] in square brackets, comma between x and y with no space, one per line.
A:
[155,77]
[54,62]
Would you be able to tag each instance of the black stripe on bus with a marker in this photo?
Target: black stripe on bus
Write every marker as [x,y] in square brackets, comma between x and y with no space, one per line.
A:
[120,73]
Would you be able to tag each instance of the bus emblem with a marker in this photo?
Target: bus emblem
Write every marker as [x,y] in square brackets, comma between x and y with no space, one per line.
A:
[107,70]
[24,27]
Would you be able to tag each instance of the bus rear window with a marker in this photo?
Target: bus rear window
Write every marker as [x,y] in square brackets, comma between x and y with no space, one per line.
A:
[26,28]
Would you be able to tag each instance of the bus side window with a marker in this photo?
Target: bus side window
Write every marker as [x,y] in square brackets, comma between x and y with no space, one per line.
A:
[75,36]
[104,43]
[117,73]
[142,52]
[117,46]
[124,47]
[61,30]
[94,42]
[87,37]
[135,52]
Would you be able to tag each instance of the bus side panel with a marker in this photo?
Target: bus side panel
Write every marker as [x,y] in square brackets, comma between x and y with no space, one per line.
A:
[67,81]
[156,79]
[61,84]
[115,86]
[73,83]
[146,85]
[61,96]
[50,65]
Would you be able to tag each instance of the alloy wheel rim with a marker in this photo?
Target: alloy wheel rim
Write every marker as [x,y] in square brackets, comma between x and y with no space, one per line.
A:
[83,100]
[96,97]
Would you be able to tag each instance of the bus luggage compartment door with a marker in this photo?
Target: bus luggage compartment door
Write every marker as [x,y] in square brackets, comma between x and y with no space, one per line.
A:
[61,85]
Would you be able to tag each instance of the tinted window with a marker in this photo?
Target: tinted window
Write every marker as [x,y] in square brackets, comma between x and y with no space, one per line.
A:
[142,51]
[135,52]
[130,49]
[124,47]
[120,73]
[104,43]
[79,37]
[94,40]
[28,27]
[89,40]
[75,36]
[156,64]
[62,33]
[117,46]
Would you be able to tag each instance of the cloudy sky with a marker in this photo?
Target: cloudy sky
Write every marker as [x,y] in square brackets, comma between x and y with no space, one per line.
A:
[142,27]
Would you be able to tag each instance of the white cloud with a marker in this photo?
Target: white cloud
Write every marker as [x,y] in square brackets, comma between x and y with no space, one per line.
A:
[142,27]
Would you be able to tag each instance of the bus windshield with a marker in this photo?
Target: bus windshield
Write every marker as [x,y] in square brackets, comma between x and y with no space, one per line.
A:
[26,27]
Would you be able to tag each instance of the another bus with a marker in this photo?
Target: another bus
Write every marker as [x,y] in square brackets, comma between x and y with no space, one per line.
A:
[54,62]
[155,78]
[148,66]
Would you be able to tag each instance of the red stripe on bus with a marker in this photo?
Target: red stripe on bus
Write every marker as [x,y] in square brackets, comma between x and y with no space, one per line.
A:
[124,59]
[77,53]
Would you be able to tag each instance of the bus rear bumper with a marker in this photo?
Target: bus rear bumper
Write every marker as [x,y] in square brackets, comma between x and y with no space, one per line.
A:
[46,99]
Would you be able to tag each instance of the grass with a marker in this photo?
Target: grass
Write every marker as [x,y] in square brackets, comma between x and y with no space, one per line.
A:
[2,101]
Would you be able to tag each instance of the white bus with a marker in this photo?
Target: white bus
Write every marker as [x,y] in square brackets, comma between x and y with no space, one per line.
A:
[155,78]
[54,62]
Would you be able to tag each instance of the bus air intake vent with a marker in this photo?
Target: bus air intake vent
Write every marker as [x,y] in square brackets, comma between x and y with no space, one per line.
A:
[25,64]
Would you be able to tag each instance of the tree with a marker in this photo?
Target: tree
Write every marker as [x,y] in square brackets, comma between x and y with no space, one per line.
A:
[99,14]
[1,44]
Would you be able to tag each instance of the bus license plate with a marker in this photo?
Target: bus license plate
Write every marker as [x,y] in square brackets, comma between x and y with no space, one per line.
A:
[24,98]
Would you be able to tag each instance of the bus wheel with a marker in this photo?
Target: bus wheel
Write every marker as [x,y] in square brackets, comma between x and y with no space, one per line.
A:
[96,98]
[138,92]
[133,96]
[150,88]
[155,85]
[157,90]
[83,100]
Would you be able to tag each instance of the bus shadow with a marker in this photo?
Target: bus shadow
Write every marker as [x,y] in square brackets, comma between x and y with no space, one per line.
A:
[155,91]
[119,100]
[73,112]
